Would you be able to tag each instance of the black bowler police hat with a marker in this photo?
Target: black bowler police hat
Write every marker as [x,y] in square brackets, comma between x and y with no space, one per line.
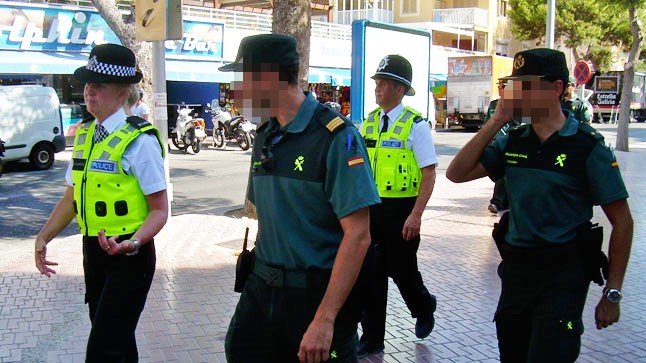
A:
[109,63]
[279,49]
[541,62]
[397,68]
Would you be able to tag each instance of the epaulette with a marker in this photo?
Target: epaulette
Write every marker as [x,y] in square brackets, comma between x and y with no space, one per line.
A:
[518,130]
[419,119]
[137,122]
[331,120]
[590,131]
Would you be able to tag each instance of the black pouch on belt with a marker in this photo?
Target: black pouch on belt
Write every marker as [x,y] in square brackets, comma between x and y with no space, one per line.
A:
[499,231]
[244,265]
[595,262]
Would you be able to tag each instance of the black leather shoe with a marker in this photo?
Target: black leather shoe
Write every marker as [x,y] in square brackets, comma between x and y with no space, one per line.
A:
[366,349]
[425,323]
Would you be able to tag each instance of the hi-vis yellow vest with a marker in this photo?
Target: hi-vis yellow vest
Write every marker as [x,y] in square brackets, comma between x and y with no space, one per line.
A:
[105,197]
[395,169]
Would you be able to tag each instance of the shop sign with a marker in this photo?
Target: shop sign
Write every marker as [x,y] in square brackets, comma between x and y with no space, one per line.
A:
[607,99]
[25,28]
[201,40]
[64,30]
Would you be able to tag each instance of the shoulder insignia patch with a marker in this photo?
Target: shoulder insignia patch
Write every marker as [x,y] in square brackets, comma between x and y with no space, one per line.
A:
[334,124]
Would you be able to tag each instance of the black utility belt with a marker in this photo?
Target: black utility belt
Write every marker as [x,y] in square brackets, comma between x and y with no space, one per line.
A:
[301,279]
[543,255]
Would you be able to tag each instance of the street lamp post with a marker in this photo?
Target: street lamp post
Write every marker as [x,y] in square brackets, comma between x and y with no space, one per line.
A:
[551,20]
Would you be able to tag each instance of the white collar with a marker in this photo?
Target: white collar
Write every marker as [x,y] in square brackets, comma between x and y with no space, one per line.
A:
[394,113]
[115,121]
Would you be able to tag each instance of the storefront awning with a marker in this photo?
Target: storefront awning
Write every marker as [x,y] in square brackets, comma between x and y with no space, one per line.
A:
[14,62]
[334,76]
[196,71]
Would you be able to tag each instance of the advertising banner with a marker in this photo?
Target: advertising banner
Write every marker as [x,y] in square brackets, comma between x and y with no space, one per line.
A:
[469,66]
[35,28]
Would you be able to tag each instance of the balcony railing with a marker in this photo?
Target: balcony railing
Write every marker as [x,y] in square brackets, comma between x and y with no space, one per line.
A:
[347,16]
[462,16]
[232,19]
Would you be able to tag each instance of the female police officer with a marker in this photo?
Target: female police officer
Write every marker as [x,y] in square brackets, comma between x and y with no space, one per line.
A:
[117,190]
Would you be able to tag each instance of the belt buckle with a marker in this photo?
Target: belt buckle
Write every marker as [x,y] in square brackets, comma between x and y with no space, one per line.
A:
[275,278]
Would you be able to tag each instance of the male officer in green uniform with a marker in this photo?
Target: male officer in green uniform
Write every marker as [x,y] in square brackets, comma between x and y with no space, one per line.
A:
[556,170]
[311,185]
[402,155]
[580,109]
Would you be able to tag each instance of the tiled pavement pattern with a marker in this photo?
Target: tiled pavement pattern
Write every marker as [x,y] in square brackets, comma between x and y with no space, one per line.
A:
[191,300]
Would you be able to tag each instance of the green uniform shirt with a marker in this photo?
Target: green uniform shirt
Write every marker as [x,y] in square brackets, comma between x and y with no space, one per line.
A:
[581,110]
[553,186]
[311,178]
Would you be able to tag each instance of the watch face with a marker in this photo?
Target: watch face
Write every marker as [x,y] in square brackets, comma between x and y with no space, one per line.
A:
[614,296]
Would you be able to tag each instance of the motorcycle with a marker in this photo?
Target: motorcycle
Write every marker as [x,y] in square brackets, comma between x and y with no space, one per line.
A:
[189,131]
[227,128]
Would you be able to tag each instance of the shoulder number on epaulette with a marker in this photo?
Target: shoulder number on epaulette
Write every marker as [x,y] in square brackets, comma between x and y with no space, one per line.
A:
[419,119]
[334,123]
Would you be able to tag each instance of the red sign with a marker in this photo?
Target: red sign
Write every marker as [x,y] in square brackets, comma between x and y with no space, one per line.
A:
[582,72]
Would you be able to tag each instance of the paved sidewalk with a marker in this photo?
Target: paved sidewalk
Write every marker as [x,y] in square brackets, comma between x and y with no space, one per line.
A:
[191,300]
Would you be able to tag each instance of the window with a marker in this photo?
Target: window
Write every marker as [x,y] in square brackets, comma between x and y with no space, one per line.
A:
[410,7]
[440,4]
[502,7]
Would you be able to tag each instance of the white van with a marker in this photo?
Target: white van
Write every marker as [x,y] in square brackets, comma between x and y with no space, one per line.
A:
[31,124]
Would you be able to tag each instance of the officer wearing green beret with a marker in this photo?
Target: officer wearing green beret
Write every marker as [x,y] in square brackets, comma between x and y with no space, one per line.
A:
[556,169]
[116,188]
[311,185]
[580,109]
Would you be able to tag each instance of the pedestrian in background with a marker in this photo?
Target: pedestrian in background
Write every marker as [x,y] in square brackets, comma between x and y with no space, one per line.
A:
[140,108]
[556,170]
[580,109]
[402,155]
[311,186]
[117,190]
[498,200]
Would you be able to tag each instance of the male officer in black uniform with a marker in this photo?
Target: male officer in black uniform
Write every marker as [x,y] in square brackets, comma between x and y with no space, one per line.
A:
[311,185]
[556,170]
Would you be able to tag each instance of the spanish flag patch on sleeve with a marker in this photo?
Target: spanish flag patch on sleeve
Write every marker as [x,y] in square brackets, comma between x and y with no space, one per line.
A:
[614,164]
[355,161]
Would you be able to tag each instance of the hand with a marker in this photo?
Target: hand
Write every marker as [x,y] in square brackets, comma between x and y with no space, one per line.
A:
[503,112]
[606,313]
[315,345]
[111,247]
[412,226]
[41,260]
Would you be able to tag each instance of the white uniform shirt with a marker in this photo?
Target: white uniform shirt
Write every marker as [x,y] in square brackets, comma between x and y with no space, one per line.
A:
[140,109]
[420,138]
[142,157]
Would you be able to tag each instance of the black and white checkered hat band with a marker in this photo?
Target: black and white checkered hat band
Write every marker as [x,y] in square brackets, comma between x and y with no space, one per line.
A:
[109,69]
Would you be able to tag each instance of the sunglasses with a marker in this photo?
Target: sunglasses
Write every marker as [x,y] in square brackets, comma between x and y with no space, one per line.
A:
[266,156]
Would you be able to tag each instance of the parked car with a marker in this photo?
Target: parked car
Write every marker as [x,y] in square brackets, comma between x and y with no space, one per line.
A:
[31,124]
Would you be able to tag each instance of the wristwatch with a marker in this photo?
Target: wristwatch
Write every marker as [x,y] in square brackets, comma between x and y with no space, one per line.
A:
[137,244]
[613,295]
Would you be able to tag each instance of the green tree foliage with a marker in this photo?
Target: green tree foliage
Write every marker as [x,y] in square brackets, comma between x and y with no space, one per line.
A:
[588,27]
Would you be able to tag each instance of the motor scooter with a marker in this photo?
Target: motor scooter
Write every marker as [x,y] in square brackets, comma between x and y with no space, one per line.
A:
[188,131]
[227,128]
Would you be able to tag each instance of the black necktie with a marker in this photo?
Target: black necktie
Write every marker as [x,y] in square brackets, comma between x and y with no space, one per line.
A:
[384,127]
[100,133]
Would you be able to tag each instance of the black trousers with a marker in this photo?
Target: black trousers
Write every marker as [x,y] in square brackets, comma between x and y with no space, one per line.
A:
[269,323]
[116,291]
[499,198]
[539,312]
[390,256]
